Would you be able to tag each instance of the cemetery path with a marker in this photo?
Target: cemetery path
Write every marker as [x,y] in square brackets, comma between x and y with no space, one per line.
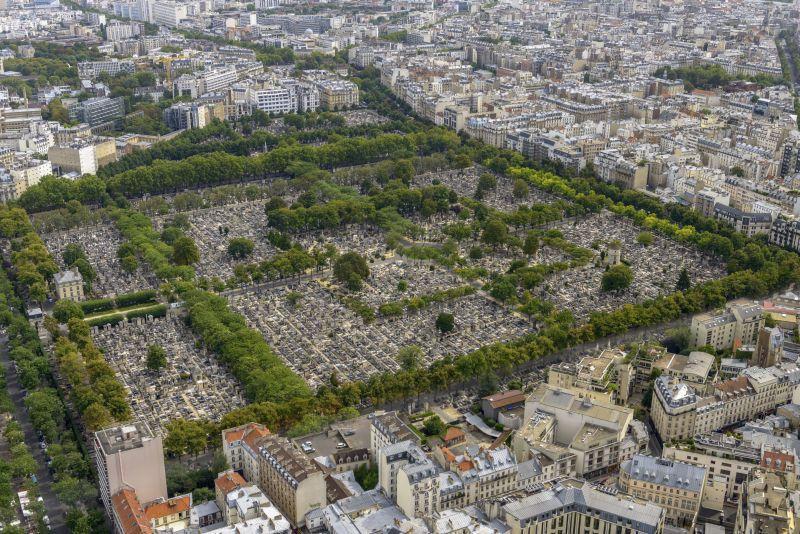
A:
[55,510]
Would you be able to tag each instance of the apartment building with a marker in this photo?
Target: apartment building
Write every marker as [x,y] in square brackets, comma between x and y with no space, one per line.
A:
[69,285]
[130,457]
[785,233]
[766,506]
[291,481]
[92,69]
[169,13]
[748,223]
[185,115]
[732,328]
[606,376]
[577,507]
[99,110]
[240,447]
[596,432]
[337,94]
[678,413]
[612,167]
[387,428]
[82,156]
[28,172]
[676,487]
[726,459]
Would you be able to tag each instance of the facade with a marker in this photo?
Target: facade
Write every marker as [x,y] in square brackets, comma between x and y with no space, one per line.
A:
[112,67]
[678,413]
[69,285]
[676,487]
[337,94]
[732,328]
[99,110]
[130,457]
[577,507]
[291,481]
[596,432]
[83,155]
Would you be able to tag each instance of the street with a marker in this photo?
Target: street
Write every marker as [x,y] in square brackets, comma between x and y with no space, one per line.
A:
[53,506]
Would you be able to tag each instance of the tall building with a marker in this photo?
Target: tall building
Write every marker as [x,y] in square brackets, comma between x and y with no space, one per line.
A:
[130,457]
[169,13]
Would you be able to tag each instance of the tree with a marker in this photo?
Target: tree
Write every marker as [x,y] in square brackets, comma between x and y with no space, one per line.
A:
[520,189]
[56,111]
[156,357]
[184,251]
[203,494]
[433,426]
[684,282]
[366,476]
[73,491]
[617,278]
[495,232]
[65,309]
[531,244]
[445,322]
[409,357]
[240,247]
[645,238]
[351,269]
[129,263]
[96,416]
[503,289]
[72,253]
[737,171]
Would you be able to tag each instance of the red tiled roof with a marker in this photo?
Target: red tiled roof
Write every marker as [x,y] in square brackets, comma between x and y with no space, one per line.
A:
[129,512]
[779,461]
[229,481]
[453,433]
[176,505]
[448,454]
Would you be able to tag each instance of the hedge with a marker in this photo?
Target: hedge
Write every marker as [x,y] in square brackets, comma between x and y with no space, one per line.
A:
[106,319]
[139,297]
[97,305]
[159,310]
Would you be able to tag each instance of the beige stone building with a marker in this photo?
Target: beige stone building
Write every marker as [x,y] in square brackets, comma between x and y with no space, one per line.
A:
[69,285]
[597,433]
[605,377]
[676,487]
[577,507]
[293,483]
[337,94]
[678,413]
[732,328]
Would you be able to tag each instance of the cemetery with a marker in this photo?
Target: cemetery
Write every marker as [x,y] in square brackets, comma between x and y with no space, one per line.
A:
[188,384]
